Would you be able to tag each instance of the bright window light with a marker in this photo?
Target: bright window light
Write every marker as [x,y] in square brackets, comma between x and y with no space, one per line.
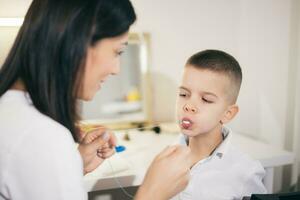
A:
[11,21]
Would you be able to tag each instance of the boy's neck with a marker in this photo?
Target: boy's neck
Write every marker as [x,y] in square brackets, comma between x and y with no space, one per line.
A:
[203,145]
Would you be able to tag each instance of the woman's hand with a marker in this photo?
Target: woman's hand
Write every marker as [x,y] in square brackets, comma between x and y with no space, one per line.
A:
[95,147]
[167,175]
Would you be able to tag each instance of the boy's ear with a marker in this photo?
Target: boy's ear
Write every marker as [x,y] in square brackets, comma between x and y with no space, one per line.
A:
[230,113]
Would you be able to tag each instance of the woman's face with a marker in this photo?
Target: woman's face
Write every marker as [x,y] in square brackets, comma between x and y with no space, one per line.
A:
[103,59]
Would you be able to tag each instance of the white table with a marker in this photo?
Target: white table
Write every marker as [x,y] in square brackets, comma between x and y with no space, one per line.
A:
[130,166]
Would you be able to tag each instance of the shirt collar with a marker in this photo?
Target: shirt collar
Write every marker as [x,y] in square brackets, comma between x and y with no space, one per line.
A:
[223,147]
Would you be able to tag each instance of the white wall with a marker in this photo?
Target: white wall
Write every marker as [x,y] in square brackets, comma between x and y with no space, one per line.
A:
[10,8]
[7,35]
[13,8]
[293,143]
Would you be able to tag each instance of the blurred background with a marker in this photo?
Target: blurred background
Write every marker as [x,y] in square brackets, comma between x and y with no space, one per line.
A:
[263,35]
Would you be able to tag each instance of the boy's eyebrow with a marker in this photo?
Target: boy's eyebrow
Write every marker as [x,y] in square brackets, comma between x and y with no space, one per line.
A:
[209,93]
[184,88]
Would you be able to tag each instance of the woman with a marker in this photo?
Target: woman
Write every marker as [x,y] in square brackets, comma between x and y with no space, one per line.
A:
[64,51]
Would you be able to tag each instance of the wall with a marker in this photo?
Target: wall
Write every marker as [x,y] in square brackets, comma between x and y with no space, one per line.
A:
[13,8]
[7,36]
[8,8]
[293,126]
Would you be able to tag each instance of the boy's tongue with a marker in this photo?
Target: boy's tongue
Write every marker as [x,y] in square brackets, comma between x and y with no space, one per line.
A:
[186,123]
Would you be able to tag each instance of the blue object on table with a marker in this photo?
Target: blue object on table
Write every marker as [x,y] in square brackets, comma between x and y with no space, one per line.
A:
[120,148]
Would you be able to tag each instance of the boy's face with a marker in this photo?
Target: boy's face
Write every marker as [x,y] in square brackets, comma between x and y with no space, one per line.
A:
[202,103]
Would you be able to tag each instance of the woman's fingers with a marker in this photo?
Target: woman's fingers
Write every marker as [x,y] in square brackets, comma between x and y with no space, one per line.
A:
[95,146]
[92,135]
[99,142]
[106,135]
[167,151]
[182,153]
[112,139]
[104,146]
[105,152]
[169,172]
[176,152]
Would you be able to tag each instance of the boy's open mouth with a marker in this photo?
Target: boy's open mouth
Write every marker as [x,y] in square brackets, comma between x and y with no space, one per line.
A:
[186,123]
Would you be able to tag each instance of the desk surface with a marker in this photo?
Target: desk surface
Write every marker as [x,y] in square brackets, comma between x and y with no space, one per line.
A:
[130,166]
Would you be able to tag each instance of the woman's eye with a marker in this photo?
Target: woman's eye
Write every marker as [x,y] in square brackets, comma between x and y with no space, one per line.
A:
[182,95]
[119,53]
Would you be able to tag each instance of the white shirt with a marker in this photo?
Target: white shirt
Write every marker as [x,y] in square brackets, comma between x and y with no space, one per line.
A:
[38,157]
[228,174]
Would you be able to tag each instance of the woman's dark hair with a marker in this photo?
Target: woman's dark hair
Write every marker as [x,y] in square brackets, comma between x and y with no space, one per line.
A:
[49,52]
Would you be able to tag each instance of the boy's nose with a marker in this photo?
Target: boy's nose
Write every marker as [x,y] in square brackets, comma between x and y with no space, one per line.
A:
[190,108]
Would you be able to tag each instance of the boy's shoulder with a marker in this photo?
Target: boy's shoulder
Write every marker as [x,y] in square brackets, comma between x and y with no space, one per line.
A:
[234,153]
[232,158]
[244,166]
[239,158]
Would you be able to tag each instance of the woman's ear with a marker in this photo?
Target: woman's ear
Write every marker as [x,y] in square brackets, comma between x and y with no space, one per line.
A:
[230,113]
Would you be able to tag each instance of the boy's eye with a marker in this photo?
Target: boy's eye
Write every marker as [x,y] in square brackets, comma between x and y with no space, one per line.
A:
[206,100]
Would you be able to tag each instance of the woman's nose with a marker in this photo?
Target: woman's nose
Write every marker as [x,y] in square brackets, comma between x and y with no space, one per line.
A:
[190,108]
[115,69]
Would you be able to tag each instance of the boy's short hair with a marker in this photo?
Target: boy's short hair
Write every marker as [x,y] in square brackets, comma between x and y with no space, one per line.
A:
[220,62]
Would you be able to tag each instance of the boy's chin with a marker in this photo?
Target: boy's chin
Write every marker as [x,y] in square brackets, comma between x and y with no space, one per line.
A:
[191,132]
[188,132]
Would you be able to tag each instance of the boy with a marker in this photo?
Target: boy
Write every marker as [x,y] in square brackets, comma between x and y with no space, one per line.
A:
[207,97]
